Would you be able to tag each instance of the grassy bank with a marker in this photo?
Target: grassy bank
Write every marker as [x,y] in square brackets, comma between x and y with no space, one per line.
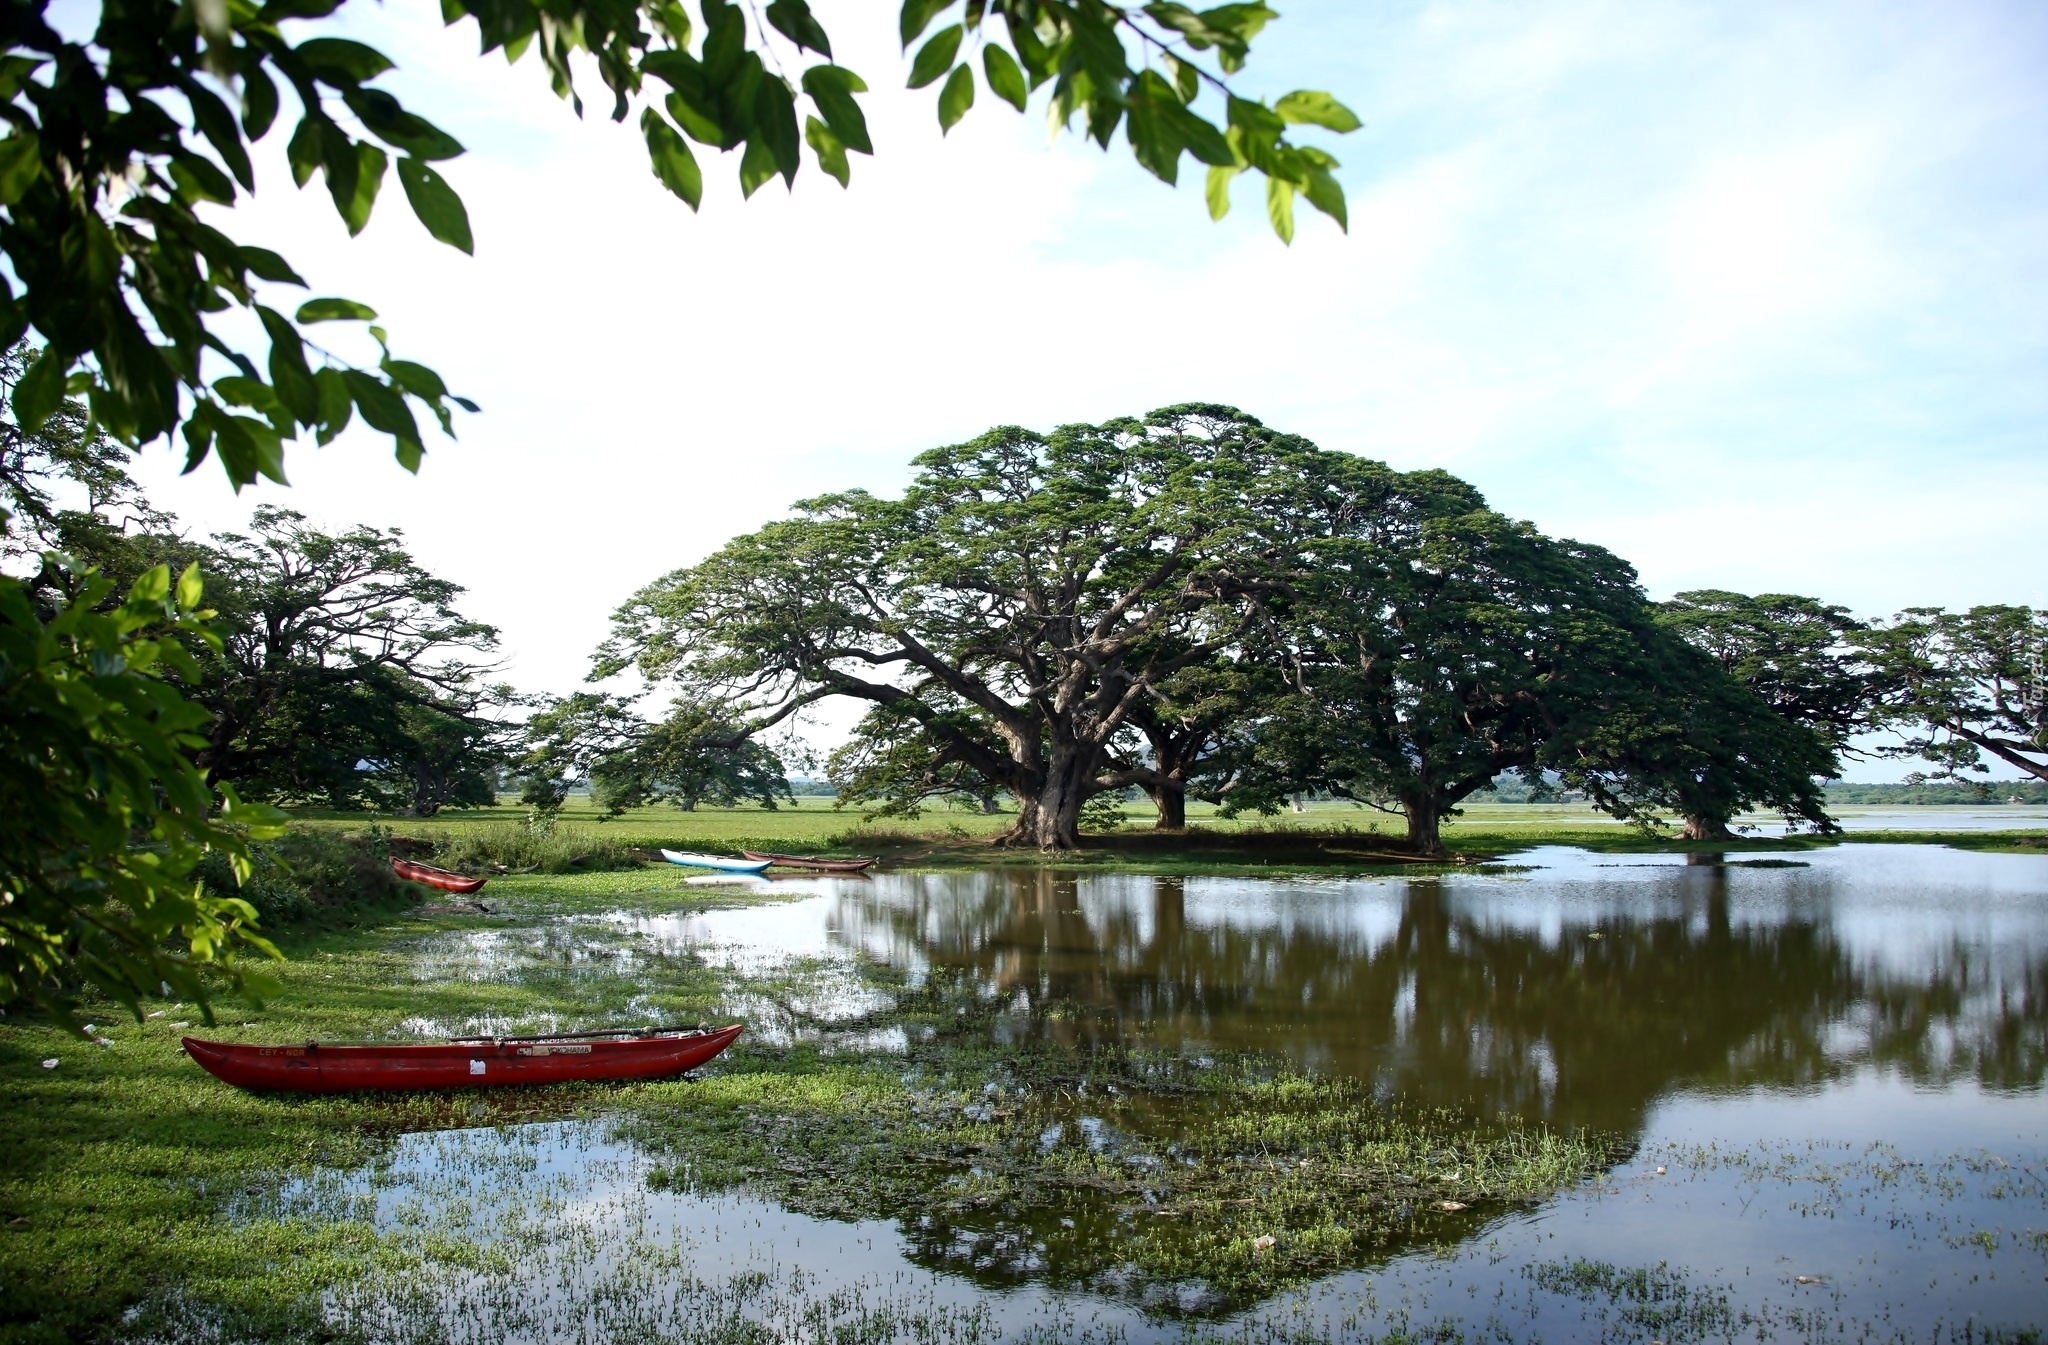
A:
[140,1199]
[1326,836]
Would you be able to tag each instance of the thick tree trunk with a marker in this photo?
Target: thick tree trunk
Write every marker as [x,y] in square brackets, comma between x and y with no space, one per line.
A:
[1051,818]
[1699,827]
[1173,809]
[1425,822]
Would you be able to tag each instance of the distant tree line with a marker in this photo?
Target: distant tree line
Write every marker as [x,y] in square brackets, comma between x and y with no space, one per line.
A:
[1195,605]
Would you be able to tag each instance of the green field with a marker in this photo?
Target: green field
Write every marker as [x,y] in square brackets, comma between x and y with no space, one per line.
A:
[946,837]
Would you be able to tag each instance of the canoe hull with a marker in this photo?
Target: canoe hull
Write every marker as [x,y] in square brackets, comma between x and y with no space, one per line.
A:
[719,862]
[313,1068]
[807,862]
[433,877]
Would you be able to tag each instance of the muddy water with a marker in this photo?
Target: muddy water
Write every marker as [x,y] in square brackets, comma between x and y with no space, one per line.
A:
[1828,1066]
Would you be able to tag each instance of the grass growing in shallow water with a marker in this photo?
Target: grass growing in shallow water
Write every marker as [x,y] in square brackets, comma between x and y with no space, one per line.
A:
[1187,1188]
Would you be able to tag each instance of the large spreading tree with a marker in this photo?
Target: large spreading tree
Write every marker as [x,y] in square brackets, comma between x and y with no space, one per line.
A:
[1025,596]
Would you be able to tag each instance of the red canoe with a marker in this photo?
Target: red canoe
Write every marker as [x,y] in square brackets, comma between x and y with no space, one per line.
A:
[812,862]
[433,877]
[482,1063]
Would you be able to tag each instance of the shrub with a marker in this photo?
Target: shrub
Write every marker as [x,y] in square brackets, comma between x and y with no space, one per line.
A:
[520,849]
[312,876]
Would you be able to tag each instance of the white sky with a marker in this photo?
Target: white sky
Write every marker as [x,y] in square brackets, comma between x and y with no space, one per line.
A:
[1750,294]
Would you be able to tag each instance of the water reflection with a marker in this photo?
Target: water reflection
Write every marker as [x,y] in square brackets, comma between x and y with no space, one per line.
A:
[1578,997]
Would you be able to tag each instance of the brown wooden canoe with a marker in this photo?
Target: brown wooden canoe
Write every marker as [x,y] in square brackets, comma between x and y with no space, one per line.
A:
[814,863]
[413,871]
[311,1067]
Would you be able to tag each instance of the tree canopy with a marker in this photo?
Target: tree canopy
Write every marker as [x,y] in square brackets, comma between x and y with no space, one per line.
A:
[1021,599]
[1191,602]
[1961,686]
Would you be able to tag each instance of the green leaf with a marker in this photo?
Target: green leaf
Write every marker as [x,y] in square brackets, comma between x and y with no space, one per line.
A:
[917,16]
[21,163]
[757,166]
[1280,207]
[335,404]
[1218,190]
[269,266]
[416,379]
[1313,107]
[151,587]
[935,57]
[775,122]
[191,588]
[956,97]
[335,310]
[1254,118]
[831,153]
[385,410]
[217,124]
[1187,80]
[40,391]
[248,449]
[354,173]
[1154,137]
[672,19]
[670,155]
[200,180]
[391,123]
[289,373]
[1005,79]
[259,100]
[1325,195]
[303,149]
[340,62]
[436,204]
[832,88]
[794,20]
[698,120]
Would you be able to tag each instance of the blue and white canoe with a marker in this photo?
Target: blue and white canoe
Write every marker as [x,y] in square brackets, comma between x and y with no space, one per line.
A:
[719,862]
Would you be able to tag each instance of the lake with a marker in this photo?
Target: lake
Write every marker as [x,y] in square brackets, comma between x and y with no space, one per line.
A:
[1819,1073]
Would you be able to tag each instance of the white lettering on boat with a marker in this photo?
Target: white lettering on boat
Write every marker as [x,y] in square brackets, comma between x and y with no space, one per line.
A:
[583,1049]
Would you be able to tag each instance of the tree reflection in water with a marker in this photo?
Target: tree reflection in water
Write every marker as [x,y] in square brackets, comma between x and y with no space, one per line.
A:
[1463,993]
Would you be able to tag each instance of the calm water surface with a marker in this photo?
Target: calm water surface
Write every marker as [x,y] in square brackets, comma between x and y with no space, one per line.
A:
[1828,1064]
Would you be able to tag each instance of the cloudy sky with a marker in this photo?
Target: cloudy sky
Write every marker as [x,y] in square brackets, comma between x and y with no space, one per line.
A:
[1751,294]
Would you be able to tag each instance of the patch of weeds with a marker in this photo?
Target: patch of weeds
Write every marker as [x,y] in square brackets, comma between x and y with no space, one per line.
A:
[1654,1300]
[1132,1174]
[513,848]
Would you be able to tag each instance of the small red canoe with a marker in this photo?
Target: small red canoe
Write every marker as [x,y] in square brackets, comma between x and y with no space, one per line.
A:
[433,877]
[811,862]
[479,1063]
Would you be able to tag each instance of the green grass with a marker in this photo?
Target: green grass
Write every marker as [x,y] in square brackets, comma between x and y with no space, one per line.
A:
[1326,836]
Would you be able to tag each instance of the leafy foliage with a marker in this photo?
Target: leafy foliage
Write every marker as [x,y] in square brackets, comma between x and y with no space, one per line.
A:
[698,754]
[1798,654]
[1026,593]
[339,649]
[1197,605]
[1963,685]
[121,147]
[107,817]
